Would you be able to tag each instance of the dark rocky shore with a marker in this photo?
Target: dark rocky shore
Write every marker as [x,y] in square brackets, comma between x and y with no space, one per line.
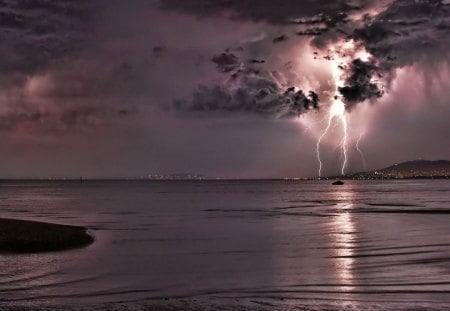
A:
[21,236]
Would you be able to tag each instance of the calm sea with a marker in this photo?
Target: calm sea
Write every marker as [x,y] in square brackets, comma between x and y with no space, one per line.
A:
[378,245]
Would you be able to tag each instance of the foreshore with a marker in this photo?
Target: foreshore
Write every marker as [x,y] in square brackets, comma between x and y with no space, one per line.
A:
[23,236]
[260,304]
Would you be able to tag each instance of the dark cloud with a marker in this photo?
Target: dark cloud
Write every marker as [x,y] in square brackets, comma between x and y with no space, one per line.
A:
[315,31]
[361,84]
[226,62]
[257,61]
[325,20]
[405,33]
[274,12]
[255,95]
[248,90]
[49,81]
[34,32]
[408,32]
[281,38]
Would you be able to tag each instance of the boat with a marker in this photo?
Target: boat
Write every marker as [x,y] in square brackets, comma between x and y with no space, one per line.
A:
[338,183]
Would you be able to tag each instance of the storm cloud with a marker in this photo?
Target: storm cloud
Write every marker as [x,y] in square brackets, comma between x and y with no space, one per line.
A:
[274,12]
[36,35]
[128,86]
[36,32]
[402,33]
[360,84]
[248,88]
[254,95]
[408,32]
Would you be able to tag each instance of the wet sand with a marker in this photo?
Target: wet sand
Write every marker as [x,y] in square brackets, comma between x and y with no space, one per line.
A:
[21,236]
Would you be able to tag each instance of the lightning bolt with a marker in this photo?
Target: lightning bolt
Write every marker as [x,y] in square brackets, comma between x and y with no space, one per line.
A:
[341,55]
[344,121]
[363,158]
[319,141]
[337,111]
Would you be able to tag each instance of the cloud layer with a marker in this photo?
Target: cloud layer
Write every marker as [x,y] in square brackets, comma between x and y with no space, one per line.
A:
[141,82]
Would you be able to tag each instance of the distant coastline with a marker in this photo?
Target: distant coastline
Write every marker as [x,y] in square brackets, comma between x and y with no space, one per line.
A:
[416,169]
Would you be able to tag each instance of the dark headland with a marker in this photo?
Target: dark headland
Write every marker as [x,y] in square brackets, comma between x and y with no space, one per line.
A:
[21,236]
[418,169]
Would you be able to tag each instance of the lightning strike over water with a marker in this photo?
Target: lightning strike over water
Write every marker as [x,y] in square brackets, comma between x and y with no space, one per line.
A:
[363,158]
[337,111]
[319,141]
[344,121]
[340,55]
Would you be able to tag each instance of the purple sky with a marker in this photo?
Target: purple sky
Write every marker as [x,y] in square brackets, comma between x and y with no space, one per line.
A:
[221,88]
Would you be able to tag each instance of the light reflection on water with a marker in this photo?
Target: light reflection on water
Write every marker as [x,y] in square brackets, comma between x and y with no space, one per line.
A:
[344,252]
[343,237]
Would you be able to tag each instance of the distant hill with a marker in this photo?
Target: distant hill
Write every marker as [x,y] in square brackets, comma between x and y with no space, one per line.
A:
[410,169]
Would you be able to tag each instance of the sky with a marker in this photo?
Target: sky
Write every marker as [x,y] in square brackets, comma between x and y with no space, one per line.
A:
[230,89]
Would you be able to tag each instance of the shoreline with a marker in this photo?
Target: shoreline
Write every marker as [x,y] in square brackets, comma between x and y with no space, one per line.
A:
[235,304]
[24,236]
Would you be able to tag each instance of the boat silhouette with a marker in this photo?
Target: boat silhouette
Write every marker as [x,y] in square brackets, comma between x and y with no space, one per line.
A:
[338,183]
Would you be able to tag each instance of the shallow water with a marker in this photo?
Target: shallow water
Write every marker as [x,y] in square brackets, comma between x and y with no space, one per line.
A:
[379,244]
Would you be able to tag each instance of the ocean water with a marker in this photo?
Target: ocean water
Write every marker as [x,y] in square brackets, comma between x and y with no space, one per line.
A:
[300,245]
